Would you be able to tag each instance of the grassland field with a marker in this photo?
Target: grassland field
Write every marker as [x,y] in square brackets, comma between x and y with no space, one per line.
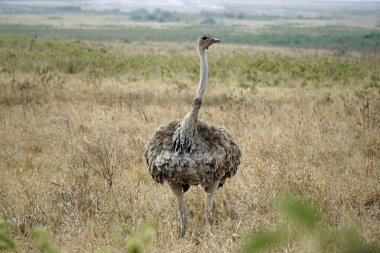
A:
[76,115]
[352,32]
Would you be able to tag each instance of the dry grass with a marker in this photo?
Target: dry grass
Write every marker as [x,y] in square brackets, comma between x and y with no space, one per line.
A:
[71,160]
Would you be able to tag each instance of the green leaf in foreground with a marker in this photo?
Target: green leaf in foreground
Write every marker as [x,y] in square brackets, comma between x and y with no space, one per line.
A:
[307,231]
[141,239]
[299,211]
[263,241]
[43,240]
[6,242]
[125,238]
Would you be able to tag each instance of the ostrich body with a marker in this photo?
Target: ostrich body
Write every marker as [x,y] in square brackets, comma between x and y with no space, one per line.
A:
[191,152]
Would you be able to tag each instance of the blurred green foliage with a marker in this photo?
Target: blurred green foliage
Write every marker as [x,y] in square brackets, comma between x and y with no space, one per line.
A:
[126,239]
[299,211]
[6,242]
[302,227]
[43,242]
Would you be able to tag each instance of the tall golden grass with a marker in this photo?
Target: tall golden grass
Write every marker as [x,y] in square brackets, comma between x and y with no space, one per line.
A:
[71,159]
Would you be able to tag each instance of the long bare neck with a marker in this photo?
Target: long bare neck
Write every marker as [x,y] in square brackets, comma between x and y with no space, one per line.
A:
[203,73]
[184,135]
[192,115]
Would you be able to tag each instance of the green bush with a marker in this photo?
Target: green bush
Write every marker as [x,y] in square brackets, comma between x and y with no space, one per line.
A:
[6,242]
[302,226]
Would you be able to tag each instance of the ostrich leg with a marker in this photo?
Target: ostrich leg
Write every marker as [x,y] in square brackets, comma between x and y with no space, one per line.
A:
[177,190]
[209,208]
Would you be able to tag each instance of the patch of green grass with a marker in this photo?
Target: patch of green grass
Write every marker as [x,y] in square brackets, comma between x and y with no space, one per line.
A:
[310,37]
[30,54]
[332,37]
[47,56]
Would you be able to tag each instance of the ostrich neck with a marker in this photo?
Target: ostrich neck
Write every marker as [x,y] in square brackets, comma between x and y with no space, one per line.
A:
[186,131]
[203,73]
[192,115]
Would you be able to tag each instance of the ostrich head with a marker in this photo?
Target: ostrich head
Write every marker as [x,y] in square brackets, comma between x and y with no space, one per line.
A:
[206,40]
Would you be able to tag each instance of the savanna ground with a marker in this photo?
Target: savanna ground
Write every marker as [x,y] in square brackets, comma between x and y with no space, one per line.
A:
[76,116]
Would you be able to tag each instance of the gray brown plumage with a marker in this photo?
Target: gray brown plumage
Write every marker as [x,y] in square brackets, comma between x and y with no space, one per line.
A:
[191,152]
[214,155]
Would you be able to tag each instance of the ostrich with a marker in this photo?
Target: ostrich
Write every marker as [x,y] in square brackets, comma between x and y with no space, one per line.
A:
[191,152]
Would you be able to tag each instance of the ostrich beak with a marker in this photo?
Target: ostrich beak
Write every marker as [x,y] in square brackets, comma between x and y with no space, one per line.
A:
[214,40]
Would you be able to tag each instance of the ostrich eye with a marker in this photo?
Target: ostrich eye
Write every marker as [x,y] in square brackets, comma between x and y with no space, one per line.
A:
[204,38]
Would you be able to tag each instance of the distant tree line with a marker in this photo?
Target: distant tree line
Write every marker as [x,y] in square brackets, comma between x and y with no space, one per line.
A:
[157,15]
